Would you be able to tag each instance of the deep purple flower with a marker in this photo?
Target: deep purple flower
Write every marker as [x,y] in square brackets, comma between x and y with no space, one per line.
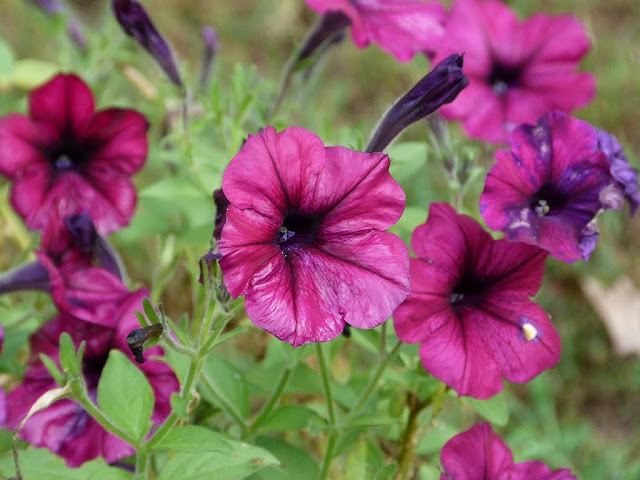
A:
[65,427]
[548,189]
[625,174]
[399,27]
[304,236]
[480,454]
[470,306]
[517,70]
[211,45]
[135,21]
[441,85]
[66,158]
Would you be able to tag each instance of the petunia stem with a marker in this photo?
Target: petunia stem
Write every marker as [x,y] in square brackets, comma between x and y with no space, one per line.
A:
[328,454]
[409,436]
[273,399]
[384,362]
[333,435]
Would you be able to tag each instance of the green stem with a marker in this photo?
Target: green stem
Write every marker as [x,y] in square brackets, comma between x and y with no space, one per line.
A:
[409,435]
[328,454]
[271,403]
[324,373]
[384,362]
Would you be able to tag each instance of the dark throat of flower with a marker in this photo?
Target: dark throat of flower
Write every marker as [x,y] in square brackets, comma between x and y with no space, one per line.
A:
[470,290]
[298,229]
[547,201]
[503,77]
[68,156]
[92,369]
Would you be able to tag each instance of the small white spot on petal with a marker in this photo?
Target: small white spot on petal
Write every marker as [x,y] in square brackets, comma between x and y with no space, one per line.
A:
[530,332]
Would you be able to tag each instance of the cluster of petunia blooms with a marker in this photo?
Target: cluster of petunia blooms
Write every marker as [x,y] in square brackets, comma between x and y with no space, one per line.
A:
[302,227]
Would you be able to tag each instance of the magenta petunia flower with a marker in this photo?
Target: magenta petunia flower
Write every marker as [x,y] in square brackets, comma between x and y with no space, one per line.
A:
[517,70]
[480,454]
[65,158]
[399,27]
[548,189]
[470,306]
[304,240]
[65,427]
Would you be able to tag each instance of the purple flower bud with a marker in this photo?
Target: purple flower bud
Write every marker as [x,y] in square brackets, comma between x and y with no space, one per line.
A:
[135,22]
[90,242]
[76,34]
[50,7]
[211,44]
[441,85]
[328,31]
[32,276]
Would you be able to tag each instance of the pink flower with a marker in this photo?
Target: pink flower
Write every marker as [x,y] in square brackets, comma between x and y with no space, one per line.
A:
[304,240]
[65,427]
[480,454]
[65,158]
[548,189]
[517,70]
[400,27]
[470,306]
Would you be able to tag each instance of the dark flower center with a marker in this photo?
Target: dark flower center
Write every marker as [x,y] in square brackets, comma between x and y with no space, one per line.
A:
[503,77]
[548,200]
[92,369]
[297,229]
[68,156]
[470,290]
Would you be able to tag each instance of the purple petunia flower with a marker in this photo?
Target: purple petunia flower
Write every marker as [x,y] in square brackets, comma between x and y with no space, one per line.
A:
[399,27]
[470,306]
[65,158]
[517,70]
[65,427]
[480,454]
[304,240]
[548,189]
[625,174]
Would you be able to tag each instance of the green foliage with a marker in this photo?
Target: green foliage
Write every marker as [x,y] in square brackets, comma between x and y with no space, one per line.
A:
[125,396]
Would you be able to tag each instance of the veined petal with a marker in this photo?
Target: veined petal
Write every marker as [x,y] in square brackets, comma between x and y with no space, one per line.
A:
[22,145]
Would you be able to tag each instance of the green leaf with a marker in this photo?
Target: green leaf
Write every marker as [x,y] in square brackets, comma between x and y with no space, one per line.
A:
[67,354]
[287,418]
[494,409]
[195,439]
[227,382]
[6,60]
[52,368]
[149,311]
[295,463]
[125,396]
[40,463]
[242,462]
[356,462]
[406,159]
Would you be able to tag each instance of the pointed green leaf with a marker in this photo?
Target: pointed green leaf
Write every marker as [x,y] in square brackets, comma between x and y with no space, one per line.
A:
[194,439]
[494,409]
[125,396]
[54,371]
[67,355]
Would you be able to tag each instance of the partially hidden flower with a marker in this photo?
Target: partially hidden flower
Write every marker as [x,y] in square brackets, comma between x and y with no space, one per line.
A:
[135,22]
[441,85]
[517,70]
[65,158]
[304,236]
[470,306]
[549,187]
[625,174]
[480,454]
[65,427]
[402,28]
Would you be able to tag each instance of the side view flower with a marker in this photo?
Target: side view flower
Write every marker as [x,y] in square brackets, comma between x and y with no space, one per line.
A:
[65,158]
[402,28]
[479,454]
[65,427]
[548,189]
[304,236]
[517,70]
[470,306]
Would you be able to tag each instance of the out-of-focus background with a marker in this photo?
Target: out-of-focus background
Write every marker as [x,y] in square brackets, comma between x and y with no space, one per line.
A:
[585,413]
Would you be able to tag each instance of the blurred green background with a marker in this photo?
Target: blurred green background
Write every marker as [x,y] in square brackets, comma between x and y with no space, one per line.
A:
[583,414]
